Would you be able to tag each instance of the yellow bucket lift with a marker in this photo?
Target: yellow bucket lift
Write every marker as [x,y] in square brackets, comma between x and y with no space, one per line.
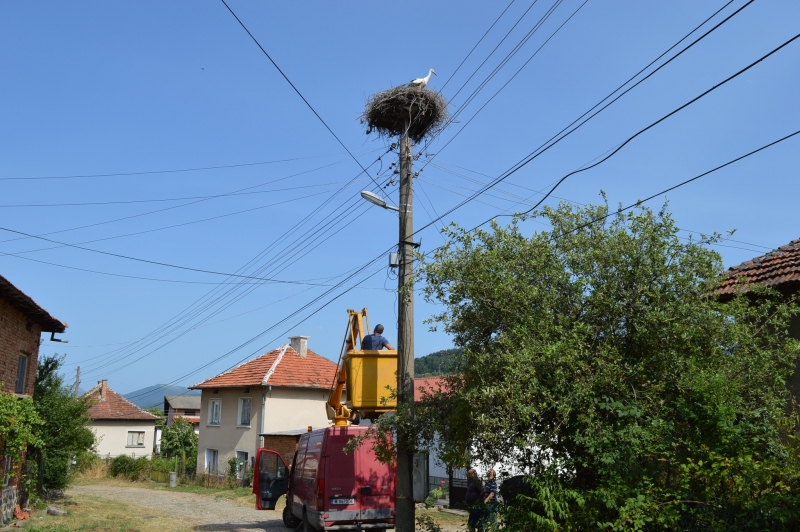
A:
[370,376]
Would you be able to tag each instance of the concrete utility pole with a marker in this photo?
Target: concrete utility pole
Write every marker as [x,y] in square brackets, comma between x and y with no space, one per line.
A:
[77,380]
[404,502]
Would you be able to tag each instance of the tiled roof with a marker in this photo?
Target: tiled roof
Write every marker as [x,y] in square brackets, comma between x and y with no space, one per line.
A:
[429,384]
[109,404]
[184,402]
[290,370]
[28,306]
[778,268]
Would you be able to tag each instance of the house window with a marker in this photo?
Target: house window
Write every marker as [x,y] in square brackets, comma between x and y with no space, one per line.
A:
[214,411]
[190,412]
[22,372]
[135,438]
[243,419]
[212,461]
[241,463]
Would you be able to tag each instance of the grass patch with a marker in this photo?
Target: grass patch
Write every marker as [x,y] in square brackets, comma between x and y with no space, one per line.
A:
[95,514]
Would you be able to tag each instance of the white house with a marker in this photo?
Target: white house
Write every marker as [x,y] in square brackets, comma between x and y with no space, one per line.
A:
[281,390]
[120,426]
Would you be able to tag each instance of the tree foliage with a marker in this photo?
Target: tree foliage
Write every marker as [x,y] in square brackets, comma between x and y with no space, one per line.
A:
[19,426]
[65,429]
[158,411]
[596,358]
[179,440]
[436,363]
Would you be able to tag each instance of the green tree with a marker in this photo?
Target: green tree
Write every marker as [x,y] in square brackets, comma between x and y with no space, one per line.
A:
[158,411]
[596,358]
[65,431]
[179,440]
[436,363]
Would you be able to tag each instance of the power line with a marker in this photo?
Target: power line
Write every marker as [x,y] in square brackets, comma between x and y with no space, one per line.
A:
[319,232]
[364,170]
[114,220]
[639,202]
[476,45]
[523,200]
[555,139]
[172,171]
[618,148]
[157,200]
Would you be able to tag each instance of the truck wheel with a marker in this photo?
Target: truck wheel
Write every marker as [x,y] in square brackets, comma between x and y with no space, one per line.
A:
[289,520]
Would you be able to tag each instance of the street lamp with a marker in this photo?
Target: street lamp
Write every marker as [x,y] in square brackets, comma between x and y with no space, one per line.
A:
[377,200]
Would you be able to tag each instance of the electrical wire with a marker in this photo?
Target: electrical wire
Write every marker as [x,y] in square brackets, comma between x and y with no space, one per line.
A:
[114,220]
[252,288]
[555,139]
[158,200]
[476,45]
[364,170]
[624,143]
[173,171]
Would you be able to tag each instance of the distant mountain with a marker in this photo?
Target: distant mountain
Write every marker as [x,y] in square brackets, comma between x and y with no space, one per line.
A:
[437,363]
[154,395]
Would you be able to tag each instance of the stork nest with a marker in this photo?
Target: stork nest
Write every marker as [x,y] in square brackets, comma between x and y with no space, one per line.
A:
[389,112]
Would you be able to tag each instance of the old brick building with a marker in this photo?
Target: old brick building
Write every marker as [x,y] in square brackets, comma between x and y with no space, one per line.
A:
[22,322]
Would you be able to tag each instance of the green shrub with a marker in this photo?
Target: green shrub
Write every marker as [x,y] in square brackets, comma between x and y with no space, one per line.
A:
[436,493]
[232,472]
[130,468]
[163,465]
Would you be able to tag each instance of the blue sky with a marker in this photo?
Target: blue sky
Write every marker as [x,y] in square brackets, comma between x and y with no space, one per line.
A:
[130,87]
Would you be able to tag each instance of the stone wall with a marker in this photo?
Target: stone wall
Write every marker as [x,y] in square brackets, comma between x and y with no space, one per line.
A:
[9,501]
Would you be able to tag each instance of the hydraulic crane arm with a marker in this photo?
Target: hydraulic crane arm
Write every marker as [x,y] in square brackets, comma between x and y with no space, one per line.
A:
[357,324]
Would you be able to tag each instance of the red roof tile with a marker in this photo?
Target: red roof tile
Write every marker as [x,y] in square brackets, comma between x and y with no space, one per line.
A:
[109,404]
[290,370]
[778,268]
[428,384]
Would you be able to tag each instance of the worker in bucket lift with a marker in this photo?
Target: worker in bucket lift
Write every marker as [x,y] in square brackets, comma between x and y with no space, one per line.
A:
[375,341]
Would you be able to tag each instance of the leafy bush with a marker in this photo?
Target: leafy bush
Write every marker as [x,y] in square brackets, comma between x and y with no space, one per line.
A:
[436,493]
[179,440]
[233,471]
[162,465]
[129,468]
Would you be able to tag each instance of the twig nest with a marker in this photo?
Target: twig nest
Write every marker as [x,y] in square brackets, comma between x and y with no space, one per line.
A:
[388,112]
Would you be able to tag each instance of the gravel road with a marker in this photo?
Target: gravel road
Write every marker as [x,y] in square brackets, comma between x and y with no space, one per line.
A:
[201,511]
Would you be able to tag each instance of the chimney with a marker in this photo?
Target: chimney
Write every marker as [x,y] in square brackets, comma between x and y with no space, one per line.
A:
[103,389]
[299,344]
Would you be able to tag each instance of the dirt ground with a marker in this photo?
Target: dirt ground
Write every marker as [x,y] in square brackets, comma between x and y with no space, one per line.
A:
[105,506]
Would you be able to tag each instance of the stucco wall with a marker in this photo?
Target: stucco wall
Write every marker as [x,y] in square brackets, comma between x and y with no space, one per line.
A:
[284,409]
[112,437]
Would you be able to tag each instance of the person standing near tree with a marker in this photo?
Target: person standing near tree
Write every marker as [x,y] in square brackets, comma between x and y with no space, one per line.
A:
[474,499]
[492,505]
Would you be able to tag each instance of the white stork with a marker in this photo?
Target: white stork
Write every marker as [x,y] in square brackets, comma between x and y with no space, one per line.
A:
[422,82]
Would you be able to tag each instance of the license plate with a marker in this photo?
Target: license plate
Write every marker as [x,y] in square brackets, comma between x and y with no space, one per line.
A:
[343,501]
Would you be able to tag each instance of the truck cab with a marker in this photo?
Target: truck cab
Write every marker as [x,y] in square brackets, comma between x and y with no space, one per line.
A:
[327,488]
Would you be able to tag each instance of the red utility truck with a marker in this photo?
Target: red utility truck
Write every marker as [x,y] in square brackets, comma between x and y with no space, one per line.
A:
[326,488]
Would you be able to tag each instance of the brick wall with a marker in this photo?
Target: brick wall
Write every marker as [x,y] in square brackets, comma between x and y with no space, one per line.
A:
[15,338]
[285,445]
